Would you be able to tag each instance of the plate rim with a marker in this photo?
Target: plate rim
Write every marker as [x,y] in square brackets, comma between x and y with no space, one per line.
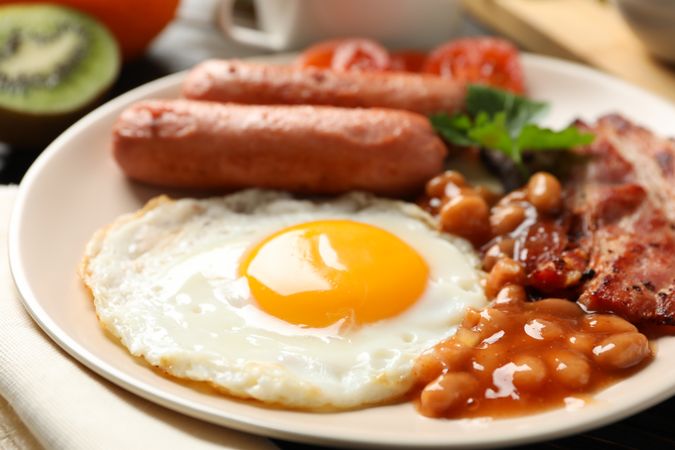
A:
[173,401]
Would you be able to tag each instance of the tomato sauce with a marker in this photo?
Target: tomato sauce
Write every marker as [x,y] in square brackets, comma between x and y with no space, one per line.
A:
[517,357]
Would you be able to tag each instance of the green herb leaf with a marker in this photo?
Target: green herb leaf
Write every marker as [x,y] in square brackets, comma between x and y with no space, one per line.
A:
[518,110]
[453,128]
[493,133]
[502,121]
[535,138]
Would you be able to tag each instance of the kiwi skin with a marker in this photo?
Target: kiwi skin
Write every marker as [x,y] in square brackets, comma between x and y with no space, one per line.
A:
[28,124]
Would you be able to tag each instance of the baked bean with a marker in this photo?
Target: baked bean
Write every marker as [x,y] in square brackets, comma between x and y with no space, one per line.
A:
[558,307]
[606,323]
[543,330]
[453,192]
[428,366]
[582,343]
[471,318]
[466,216]
[467,337]
[492,255]
[505,219]
[511,294]
[530,373]
[505,271]
[490,196]
[540,349]
[434,203]
[504,248]
[621,350]
[507,246]
[436,186]
[453,355]
[570,368]
[455,178]
[544,192]
[449,391]
[492,320]
[546,350]
[489,359]
[513,197]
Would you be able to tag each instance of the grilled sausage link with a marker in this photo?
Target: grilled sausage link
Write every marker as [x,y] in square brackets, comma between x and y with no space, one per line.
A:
[308,149]
[259,84]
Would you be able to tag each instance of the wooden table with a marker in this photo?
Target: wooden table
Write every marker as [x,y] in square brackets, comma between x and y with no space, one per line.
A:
[591,32]
[192,38]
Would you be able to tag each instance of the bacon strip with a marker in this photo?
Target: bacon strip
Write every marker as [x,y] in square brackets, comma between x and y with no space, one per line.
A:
[613,247]
[624,202]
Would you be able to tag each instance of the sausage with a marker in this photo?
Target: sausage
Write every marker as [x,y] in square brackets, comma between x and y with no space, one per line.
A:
[259,84]
[306,149]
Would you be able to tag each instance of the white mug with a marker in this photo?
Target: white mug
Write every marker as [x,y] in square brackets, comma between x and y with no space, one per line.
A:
[293,24]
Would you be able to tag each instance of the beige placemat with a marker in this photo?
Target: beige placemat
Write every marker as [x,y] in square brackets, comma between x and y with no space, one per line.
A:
[47,398]
[13,433]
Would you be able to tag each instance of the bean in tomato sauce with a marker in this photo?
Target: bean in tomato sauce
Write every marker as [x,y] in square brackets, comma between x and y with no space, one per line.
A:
[518,356]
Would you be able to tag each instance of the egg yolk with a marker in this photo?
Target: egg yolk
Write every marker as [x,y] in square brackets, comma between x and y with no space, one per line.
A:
[318,273]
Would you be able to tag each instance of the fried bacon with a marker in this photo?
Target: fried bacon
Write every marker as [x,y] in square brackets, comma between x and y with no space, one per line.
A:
[613,248]
[625,201]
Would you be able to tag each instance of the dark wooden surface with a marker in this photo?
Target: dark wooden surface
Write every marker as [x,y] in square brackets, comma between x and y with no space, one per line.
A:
[194,37]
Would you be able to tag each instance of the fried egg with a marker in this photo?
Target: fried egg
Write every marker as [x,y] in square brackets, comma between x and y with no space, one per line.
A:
[305,304]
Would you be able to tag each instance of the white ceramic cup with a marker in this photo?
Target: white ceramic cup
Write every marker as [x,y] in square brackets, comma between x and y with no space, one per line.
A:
[293,24]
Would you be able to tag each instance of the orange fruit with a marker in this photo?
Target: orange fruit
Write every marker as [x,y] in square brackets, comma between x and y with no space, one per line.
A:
[134,23]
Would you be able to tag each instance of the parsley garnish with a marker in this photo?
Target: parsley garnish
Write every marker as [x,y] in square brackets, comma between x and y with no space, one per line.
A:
[502,121]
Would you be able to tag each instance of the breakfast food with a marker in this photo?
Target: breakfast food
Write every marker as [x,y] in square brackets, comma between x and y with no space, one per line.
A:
[337,303]
[485,60]
[347,54]
[317,305]
[251,83]
[309,149]
[134,24]
[624,201]
[518,357]
[56,62]
[604,236]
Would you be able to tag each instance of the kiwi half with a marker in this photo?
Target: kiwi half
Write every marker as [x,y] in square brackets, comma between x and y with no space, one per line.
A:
[55,63]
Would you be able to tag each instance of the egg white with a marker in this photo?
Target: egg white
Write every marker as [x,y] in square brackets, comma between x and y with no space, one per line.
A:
[165,282]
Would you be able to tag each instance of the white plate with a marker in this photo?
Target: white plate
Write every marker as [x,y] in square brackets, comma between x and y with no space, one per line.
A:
[74,188]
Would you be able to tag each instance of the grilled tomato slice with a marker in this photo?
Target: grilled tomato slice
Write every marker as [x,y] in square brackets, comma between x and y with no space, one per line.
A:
[346,54]
[482,60]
